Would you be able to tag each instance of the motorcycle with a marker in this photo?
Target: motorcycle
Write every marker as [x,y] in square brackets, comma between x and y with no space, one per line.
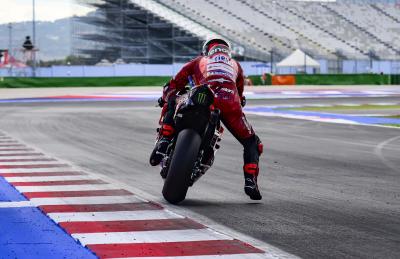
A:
[192,150]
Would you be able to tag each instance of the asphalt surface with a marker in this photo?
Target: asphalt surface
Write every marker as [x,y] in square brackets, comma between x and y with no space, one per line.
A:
[329,190]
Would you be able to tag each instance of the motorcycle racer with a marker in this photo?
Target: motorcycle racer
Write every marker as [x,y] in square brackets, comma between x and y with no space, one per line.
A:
[224,75]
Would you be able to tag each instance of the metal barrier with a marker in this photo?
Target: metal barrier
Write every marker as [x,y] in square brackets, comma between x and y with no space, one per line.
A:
[249,68]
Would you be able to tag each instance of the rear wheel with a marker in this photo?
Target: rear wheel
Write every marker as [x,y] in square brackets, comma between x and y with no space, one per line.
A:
[185,155]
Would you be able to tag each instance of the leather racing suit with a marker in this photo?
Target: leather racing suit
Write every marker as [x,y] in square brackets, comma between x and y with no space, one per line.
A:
[225,77]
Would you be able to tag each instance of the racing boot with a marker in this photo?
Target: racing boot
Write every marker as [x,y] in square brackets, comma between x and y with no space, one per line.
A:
[160,149]
[250,181]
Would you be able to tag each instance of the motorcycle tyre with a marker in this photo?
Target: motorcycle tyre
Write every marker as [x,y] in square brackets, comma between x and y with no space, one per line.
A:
[183,160]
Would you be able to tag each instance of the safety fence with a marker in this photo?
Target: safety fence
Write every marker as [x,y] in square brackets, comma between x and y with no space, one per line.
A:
[249,68]
[116,70]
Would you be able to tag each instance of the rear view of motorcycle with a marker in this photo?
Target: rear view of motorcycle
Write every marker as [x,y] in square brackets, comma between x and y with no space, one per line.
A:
[191,152]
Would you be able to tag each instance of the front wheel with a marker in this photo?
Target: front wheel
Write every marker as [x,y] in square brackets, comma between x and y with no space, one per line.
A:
[182,163]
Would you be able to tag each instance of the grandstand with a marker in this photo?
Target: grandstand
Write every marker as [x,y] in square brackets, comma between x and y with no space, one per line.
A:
[121,30]
[167,31]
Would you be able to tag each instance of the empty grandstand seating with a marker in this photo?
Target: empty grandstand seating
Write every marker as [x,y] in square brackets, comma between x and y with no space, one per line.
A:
[312,20]
[343,28]
[387,13]
[392,9]
[353,28]
[362,18]
[231,26]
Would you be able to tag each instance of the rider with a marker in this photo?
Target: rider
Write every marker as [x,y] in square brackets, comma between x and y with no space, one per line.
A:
[224,75]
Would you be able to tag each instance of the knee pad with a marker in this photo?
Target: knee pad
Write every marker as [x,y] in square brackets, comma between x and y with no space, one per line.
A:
[253,148]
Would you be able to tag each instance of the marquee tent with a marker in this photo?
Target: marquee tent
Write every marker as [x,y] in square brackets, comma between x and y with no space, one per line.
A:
[298,59]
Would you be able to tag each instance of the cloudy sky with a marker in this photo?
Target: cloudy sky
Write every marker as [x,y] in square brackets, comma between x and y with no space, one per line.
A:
[46,10]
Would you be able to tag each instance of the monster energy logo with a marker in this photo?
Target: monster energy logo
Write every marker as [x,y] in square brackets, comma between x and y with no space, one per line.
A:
[201,98]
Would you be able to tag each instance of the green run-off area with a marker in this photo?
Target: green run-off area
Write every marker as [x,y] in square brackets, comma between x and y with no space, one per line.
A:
[328,79]
[23,82]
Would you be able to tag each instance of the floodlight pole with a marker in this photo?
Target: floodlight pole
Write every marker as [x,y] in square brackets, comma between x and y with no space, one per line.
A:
[9,37]
[272,60]
[10,45]
[34,38]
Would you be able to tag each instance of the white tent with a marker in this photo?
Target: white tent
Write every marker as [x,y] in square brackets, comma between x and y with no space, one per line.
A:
[298,59]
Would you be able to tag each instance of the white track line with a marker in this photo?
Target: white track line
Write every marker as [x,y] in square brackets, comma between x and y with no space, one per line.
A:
[234,256]
[31,163]
[35,170]
[113,215]
[10,151]
[49,178]
[16,204]
[87,200]
[150,236]
[314,105]
[25,157]
[62,188]
[343,104]
[291,92]
[13,146]
[60,173]
[383,104]
[332,92]
[374,92]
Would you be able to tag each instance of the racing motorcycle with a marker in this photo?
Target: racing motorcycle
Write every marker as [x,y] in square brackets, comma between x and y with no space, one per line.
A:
[191,152]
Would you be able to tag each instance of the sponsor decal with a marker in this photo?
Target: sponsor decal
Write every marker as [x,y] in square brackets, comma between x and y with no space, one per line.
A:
[212,73]
[219,80]
[227,90]
[221,68]
[201,98]
[222,59]
[222,49]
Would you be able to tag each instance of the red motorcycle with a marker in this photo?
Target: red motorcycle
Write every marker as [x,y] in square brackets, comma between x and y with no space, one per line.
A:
[191,152]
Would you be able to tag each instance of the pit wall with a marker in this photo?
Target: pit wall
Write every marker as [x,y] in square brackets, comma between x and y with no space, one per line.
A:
[343,79]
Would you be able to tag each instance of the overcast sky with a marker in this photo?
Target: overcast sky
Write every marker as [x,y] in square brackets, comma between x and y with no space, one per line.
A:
[46,10]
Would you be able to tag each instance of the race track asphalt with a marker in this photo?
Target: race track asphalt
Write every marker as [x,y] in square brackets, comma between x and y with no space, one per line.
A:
[329,190]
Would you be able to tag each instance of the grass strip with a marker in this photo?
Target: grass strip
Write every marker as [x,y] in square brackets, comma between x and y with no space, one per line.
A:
[343,79]
[344,107]
[392,125]
[392,116]
[27,82]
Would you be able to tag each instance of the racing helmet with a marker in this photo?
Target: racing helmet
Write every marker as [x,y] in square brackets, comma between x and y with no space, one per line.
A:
[216,40]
